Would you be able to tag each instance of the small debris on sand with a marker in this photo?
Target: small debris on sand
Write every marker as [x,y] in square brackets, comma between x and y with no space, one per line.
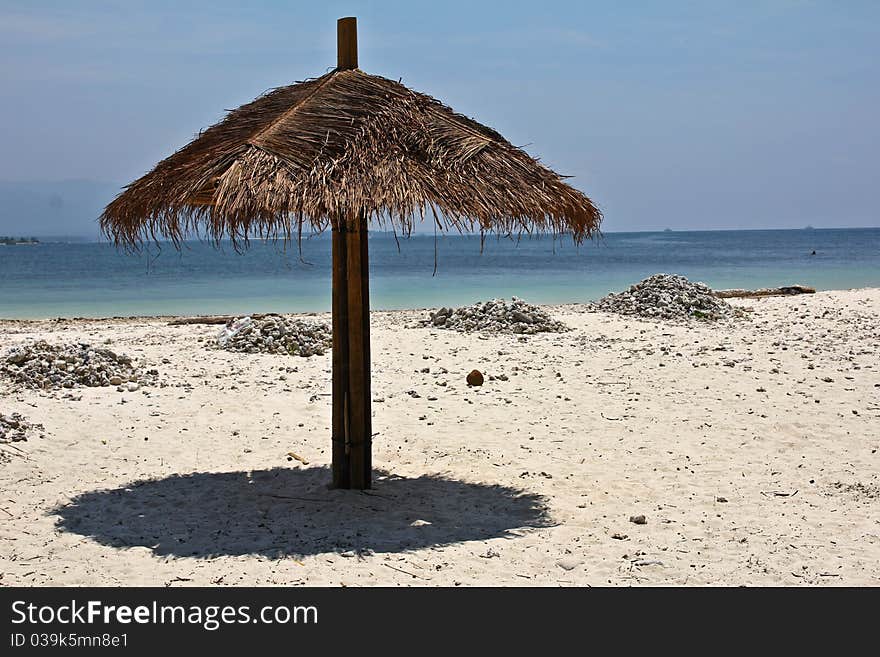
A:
[857,489]
[496,316]
[274,334]
[475,378]
[15,428]
[670,297]
[45,366]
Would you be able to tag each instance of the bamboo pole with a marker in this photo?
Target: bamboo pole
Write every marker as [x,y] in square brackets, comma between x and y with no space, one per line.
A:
[367,464]
[352,426]
[359,429]
[346,43]
[340,359]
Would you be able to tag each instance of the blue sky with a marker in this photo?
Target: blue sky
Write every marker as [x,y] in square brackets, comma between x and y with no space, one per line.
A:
[668,114]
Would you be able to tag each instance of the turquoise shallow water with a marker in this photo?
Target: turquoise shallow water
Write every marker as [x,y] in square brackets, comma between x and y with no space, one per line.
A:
[95,280]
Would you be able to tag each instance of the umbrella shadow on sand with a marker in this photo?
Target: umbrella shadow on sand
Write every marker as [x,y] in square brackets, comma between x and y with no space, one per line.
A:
[286,511]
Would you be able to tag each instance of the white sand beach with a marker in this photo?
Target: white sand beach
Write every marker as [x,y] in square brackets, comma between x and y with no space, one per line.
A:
[750,448]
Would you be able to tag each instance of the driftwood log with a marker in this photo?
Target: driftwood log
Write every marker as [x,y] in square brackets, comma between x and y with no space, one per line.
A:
[766,292]
[213,319]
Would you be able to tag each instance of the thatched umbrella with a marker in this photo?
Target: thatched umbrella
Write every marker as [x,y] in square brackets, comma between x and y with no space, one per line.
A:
[338,151]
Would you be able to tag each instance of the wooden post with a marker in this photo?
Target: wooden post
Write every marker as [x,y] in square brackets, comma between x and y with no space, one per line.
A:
[352,425]
[340,359]
[346,43]
[359,428]
[352,422]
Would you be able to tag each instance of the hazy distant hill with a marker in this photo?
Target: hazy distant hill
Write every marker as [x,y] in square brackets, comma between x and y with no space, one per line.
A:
[53,209]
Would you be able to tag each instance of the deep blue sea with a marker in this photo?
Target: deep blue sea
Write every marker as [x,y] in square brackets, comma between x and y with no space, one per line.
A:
[95,280]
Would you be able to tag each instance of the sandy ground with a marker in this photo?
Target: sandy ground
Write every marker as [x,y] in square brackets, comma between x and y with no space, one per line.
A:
[751,450]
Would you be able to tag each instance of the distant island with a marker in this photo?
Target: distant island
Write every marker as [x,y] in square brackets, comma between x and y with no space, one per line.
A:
[8,241]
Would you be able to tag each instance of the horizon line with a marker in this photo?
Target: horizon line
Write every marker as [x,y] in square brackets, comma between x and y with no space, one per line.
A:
[56,238]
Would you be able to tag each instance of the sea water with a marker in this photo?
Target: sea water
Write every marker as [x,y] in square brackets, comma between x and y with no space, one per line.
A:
[95,279]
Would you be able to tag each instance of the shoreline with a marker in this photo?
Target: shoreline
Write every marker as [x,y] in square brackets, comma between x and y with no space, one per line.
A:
[749,446]
[204,280]
[574,304]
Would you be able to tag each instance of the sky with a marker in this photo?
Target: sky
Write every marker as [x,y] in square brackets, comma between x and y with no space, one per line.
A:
[668,114]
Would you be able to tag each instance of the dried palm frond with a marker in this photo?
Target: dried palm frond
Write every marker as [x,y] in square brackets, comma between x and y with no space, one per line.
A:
[321,152]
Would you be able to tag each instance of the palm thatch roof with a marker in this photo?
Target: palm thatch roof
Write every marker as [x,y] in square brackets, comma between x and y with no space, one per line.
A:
[320,152]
